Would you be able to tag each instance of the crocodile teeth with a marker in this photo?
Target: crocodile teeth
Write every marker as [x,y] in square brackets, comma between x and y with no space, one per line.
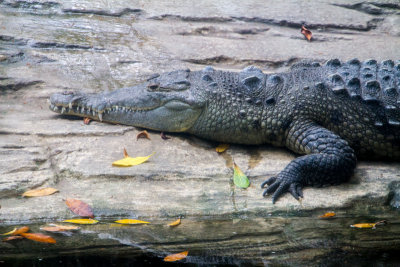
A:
[100,116]
[94,113]
[62,110]
[82,109]
[70,105]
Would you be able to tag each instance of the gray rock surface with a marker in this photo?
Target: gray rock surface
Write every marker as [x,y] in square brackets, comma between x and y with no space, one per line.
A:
[93,46]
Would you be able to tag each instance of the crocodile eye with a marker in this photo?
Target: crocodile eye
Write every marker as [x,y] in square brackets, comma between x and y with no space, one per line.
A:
[153,86]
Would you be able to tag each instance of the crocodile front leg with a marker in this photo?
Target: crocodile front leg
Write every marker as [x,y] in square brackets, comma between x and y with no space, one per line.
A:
[330,160]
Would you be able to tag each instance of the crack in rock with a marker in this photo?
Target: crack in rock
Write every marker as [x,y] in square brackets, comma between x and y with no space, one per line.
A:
[121,13]
[6,85]
[232,61]
[372,8]
[46,45]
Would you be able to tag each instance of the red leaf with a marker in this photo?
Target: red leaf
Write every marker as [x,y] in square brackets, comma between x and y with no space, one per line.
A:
[79,207]
[306,32]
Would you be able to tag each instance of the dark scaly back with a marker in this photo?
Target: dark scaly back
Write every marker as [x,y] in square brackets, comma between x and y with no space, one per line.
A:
[375,84]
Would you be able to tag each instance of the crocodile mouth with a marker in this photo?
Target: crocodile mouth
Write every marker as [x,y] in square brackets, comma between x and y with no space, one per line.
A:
[84,111]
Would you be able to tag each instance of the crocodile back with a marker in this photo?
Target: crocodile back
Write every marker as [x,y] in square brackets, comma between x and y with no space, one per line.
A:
[376,84]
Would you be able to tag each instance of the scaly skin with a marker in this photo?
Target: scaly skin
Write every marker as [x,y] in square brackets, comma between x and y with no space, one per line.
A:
[326,113]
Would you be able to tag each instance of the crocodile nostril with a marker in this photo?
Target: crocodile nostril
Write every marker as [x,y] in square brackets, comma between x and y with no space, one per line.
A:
[153,86]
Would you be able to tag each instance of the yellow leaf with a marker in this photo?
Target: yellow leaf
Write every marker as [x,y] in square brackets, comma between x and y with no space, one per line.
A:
[82,221]
[11,232]
[177,256]
[221,148]
[128,161]
[40,192]
[175,223]
[368,225]
[130,221]
[363,225]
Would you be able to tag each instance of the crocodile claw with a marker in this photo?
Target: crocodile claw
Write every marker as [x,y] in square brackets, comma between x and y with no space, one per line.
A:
[278,186]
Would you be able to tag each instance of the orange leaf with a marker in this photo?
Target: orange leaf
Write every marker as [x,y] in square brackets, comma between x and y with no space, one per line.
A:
[59,228]
[177,256]
[40,192]
[79,207]
[306,32]
[143,134]
[10,238]
[328,215]
[86,120]
[175,223]
[39,237]
[21,230]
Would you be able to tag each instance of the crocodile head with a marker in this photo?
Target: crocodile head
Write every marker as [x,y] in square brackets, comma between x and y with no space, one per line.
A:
[166,102]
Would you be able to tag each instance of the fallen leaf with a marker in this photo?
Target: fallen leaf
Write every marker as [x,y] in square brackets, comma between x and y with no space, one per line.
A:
[59,228]
[143,134]
[130,221]
[368,225]
[14,237]
[128,161]
[81,221]
[175,223]
[11,232]
[164,137]
[40,192]
[363,225]
[328,215]
[239,178]
[125,153]
[79,207]
[177,256]
[21,230]
[221,148]
[86,120]
[39,237]
[306,32]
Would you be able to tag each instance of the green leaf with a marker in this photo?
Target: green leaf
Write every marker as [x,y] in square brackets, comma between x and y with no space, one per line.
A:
[239,178]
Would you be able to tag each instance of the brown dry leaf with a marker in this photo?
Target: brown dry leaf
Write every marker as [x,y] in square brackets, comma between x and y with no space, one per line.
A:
[175,223]
[125,153]
[143,134]
[86,120]
[164,137]
[306,32]
[21,230]
[328,215]
[14,237]
[79,207]
[39,237]
[59,228]
[221,148]
[177,256]
[40,192]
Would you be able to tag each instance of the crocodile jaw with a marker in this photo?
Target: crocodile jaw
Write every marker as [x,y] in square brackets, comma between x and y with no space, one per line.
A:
[130,106]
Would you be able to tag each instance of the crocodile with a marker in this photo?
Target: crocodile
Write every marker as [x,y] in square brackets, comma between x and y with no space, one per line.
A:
[330,114]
